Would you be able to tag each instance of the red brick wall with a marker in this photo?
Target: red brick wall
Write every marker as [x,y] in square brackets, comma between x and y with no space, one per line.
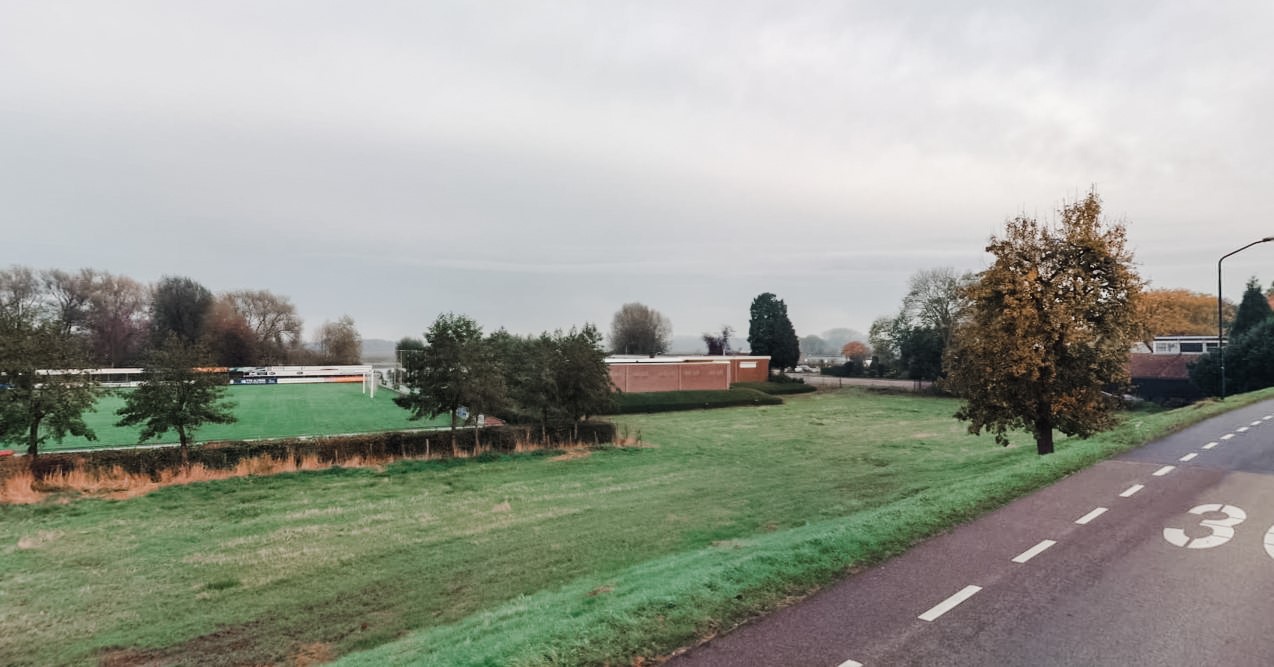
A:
[751,370]
[635,377]
[697,373]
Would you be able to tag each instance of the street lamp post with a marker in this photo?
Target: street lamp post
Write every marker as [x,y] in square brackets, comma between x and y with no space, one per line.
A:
[1220,341]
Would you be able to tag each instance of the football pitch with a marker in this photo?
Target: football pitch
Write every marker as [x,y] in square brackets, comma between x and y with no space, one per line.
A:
[267,411]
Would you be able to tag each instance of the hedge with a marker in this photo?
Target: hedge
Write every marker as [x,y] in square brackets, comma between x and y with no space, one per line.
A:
[669,401]
[330,450]
[777,388]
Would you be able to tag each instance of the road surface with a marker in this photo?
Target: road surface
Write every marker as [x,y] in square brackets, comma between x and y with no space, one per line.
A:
[1163,556]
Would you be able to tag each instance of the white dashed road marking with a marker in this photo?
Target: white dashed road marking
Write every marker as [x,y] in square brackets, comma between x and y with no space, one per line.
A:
[949,603]
[1210,445]
[1090,516]
[1257,423]
[1164,470]
[1131,490]
[1242,429]
[1188,457]
[1033,551]
[850,663]
[1227,436]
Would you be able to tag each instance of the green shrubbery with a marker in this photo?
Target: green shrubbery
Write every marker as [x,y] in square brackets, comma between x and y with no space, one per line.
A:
[669,401]
[777,388]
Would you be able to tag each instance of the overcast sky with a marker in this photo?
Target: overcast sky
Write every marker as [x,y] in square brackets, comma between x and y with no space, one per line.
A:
[535,165]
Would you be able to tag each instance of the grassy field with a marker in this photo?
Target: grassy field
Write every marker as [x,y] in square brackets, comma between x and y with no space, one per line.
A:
[536,559]
[272,411]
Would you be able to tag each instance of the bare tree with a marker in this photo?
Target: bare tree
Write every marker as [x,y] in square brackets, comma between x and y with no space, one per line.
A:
[272,317]
[70,295]
[340,342]
[20,293]
[639,329]
[116,319]
[719,344]
[935,299]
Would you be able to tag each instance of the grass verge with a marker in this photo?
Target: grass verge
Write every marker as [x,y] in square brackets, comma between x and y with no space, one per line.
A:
[683,598]
[552,558]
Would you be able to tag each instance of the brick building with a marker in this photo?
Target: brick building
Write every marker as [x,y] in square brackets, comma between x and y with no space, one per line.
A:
[642,374]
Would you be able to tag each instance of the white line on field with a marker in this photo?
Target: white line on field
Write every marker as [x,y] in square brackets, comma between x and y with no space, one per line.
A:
[1242,429]
[1227,436]
[1131,490]
[1188,457]
[1164,470]
[1033,551]
[850,663]
[1090,516]
[949,603]
[1210,445]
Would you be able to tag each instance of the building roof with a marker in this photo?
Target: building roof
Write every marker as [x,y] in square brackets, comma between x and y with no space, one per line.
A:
[1160,366]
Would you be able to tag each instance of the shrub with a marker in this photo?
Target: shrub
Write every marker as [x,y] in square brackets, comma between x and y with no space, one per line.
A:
[153,461]
[776,388]
[669,401]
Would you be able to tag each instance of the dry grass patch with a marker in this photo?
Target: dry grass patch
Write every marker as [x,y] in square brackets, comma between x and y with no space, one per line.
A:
[22,488]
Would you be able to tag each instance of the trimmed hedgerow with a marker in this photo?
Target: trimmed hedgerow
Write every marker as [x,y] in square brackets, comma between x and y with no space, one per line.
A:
[331,450]
[777,388]
[669,401]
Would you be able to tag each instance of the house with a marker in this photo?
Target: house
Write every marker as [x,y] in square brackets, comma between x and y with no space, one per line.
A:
[1161,371]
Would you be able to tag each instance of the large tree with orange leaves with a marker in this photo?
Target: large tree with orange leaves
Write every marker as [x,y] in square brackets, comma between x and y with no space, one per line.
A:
[1050,328]
[1180,312]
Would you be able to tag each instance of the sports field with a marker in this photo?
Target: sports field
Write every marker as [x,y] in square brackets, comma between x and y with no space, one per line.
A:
[268,411]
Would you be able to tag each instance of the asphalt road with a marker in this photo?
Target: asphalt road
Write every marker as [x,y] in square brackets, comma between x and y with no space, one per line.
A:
[1164,556]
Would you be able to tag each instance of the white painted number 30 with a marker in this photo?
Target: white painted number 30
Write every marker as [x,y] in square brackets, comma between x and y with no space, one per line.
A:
[1222,529]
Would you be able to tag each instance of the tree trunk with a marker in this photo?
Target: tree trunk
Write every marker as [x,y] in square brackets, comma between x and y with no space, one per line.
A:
[33,441]
[1044,436]
[185,450]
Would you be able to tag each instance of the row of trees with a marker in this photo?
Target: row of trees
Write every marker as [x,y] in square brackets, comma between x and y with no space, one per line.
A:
[1249,351]
[554,380]
[116,319]
[54,324]
[913,343]
[640,329]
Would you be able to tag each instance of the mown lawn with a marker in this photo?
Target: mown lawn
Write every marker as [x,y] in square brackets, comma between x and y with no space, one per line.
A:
[536,559]
[269,411]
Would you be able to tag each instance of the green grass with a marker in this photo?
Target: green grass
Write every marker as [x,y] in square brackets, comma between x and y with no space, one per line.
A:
[270,411]
[519,560]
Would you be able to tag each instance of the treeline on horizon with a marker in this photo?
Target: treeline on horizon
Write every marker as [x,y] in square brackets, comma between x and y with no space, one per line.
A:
[118,320]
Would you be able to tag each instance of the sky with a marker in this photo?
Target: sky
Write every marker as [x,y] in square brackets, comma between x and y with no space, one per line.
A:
[535,165]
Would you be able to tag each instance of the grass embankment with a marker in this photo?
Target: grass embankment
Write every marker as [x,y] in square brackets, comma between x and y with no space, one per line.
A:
[523,560]
[269,411]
